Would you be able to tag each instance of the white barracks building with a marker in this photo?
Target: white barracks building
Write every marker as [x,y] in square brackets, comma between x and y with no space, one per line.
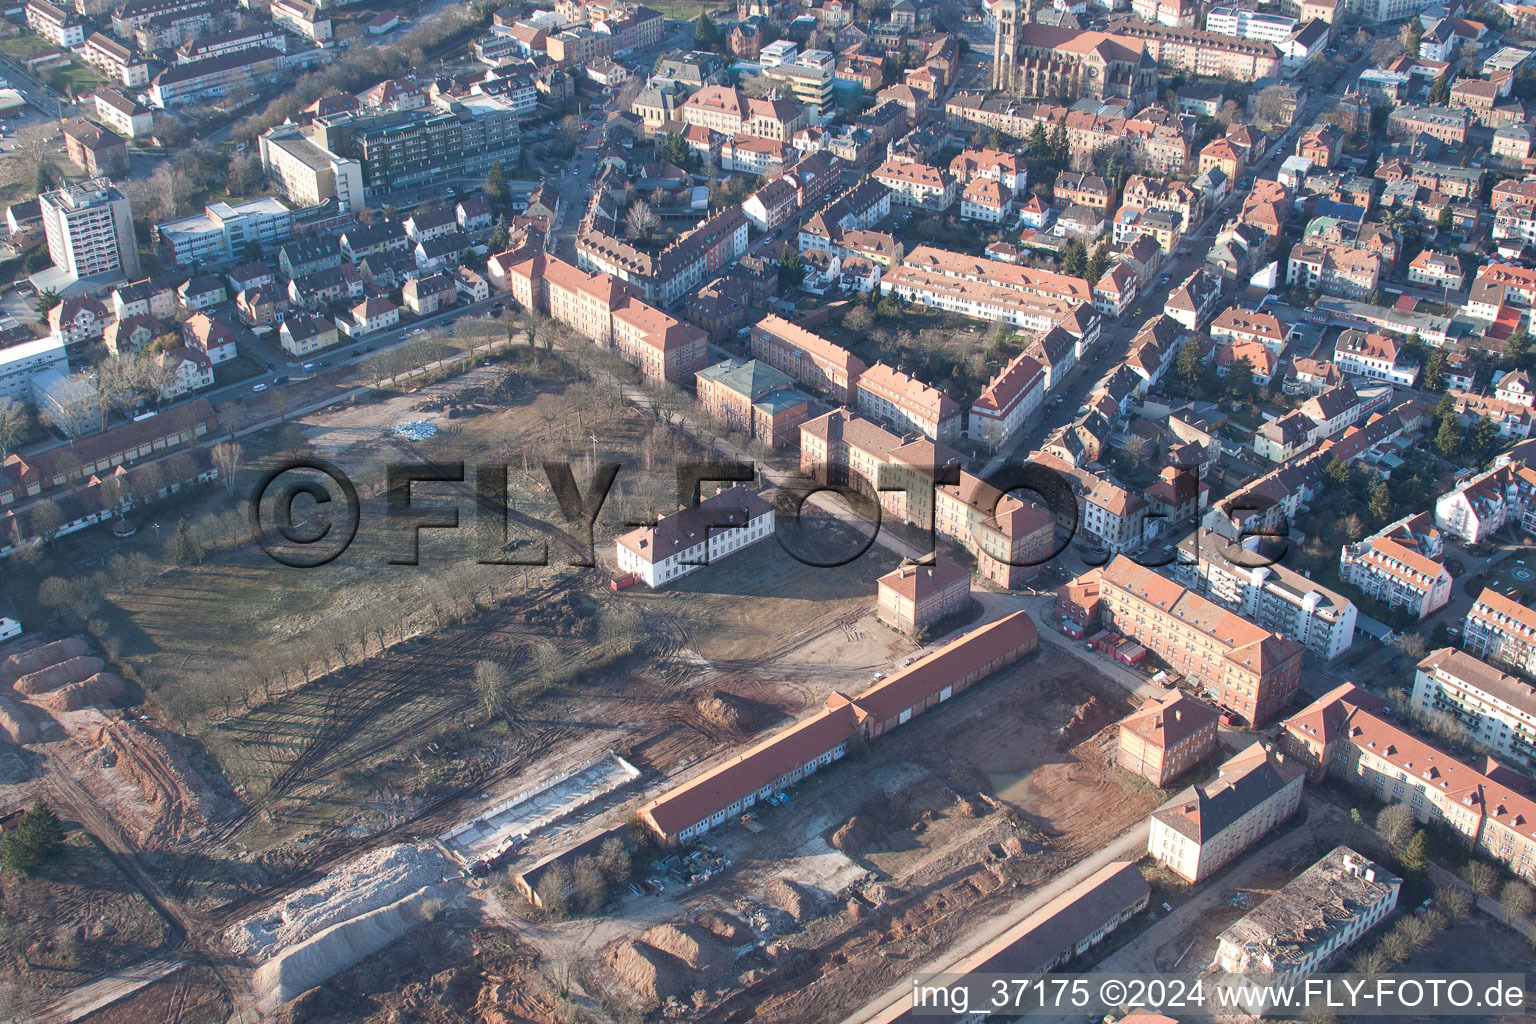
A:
[694,537]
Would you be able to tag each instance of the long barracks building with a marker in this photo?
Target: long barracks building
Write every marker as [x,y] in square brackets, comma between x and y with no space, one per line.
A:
[730,788]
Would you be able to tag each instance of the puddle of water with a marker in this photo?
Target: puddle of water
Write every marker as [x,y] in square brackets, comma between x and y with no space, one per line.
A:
[1011,787]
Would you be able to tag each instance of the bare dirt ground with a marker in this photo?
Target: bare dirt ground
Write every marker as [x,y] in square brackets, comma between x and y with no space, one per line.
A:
[193,995]
[74,918]
[885,870]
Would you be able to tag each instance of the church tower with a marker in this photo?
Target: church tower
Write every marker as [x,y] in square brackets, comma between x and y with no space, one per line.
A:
[1005,47]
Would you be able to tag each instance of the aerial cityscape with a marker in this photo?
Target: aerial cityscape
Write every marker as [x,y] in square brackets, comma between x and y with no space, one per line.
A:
[784,511]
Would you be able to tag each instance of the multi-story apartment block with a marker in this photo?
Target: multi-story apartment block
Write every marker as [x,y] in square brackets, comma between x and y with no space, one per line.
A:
[222,232]
[1254,672]
[234,41]
[1401,565]
[893,397]
[841,449]
[1265,591]
[1207,54]
[123,115]
[116,61]
[1345,734]
[55,24]
[1435,270]
[89,228]
[753,399]
[918,185]
[1012,539]
[607,311]
[1486,502]
[1167,737]
[1246,24]
[1007,401]
[690,261]
[1199,831]
[913,598]
[1333,270]
[1497,710]
[988,290]
[1445,124]
[1375,356]
[1008,169]
[1322,911]
[1498,628]
[455,137]
[726,110]
[302,19]
[308,174]
[216,76]
[820,365]
[694,537]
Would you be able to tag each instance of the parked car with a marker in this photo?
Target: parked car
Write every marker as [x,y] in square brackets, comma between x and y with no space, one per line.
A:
[259,387]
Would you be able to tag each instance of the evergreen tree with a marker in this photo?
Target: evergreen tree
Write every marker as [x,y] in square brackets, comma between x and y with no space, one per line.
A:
[1189,368]
[1440,91]
[186,547]
[705,35]
[1443,222]
[496,183]
[1448,438]
[1338,471]
[1060,151]
[1039,145]
[1380,505]
[1483,436]
[1074,258]
[1434,371]
[36,839]
[1415,856]
[1518,345]
[1098,263]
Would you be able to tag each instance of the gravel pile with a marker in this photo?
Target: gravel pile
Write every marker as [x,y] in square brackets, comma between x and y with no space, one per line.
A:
[416,430]
[372,881]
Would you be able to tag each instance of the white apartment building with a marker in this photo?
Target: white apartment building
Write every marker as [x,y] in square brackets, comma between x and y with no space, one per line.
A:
[1204,827]
[1272,595]
[1498,710]
[1400,565]
[309,174]
[55,24]
[1483,504]
[1270,28]
[222,232]
[1323,910]
[1500,629]
[20,363]
[1007,401]
[919,185]
[692,538]
[89,227]
[1376,356]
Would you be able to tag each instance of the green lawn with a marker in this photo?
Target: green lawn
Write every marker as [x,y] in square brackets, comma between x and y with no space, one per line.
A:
[682,10]
[25,47]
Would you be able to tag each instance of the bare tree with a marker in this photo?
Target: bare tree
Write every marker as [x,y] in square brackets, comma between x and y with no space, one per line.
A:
[227,457]
[493,684]
[71,406]
[641,220]
[13,423]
